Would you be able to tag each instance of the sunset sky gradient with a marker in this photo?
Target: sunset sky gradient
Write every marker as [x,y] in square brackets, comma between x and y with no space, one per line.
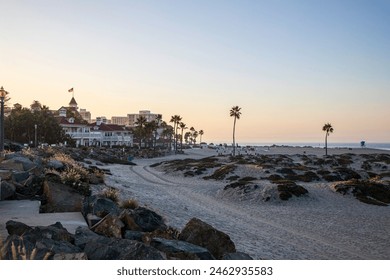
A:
[291,66]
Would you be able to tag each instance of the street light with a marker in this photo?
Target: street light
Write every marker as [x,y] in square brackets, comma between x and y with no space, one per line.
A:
[36,143]
[3,94]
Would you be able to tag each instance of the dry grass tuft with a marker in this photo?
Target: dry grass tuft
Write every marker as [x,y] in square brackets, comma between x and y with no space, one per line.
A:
[129,204]
[111,193]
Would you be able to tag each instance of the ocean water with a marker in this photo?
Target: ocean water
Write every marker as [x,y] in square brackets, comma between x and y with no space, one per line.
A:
[380,146]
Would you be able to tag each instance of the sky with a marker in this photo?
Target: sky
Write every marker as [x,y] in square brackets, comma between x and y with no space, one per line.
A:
[292,66]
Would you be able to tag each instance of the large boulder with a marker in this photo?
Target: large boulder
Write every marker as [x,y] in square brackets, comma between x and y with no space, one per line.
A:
[7,190]
[17,228]
[110,226]
[176,249]
[99,206]
[142,219]
[18,163]
[37,243]
[121,249]
[202,234]
[62,198]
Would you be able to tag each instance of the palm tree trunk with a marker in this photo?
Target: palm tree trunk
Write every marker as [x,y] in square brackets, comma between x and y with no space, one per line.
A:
[326,144]
[234,138]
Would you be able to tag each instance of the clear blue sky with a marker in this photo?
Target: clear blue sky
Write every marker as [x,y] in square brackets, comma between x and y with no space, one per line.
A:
[290,65]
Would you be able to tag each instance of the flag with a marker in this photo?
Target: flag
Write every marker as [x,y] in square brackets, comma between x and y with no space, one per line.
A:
[70,90]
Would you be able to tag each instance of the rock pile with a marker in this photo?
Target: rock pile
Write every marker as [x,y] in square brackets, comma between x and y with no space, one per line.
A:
[118,234]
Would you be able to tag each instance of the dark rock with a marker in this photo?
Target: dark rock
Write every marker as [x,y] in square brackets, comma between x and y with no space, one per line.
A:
[56,246]
[144,219]
[55,164]
[109,226]
[134,235]
[84,235]
[99,206]
[18,163]
[70,256]
[20,176]
[5,175]
[202,234]
[237,256]
[55,232]
[121,249]
[17,228]
[7,190]
[176,249]
[62,198]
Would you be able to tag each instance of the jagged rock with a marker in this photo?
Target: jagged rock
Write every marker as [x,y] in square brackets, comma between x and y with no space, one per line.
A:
[70,256]
[237,256]
[7,190]
[17,228]
[5,175]
[55,164]
[18,163]
[84,235]
[121,249]
[20,176]
[202,234]
[62,198]
[147,219]
[99,206]
[38,242]
[56,246]
[55,232]
[134,235]
[177,249]
[110,226]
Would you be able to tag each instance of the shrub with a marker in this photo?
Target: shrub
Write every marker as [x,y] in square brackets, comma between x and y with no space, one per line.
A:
[129,204]
[111,193]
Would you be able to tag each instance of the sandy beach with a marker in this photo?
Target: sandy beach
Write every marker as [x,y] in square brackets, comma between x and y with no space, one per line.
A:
[321,225]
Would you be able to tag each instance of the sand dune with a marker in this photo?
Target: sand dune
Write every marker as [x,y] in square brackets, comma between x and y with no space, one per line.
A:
[323,225]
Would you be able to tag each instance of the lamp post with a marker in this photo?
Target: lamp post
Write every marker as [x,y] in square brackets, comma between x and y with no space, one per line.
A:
[3,94]
[36,143]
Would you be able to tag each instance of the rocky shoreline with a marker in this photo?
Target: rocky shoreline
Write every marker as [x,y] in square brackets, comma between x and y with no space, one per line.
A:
[63,180]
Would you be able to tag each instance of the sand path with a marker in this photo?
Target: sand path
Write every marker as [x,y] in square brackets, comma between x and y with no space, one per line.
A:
[322,226]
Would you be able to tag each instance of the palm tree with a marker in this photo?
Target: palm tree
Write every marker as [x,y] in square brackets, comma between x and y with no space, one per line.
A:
[235,112]
[140,129]
[192,130]
[182,126]
[176,120]
[328,129]
[201,132]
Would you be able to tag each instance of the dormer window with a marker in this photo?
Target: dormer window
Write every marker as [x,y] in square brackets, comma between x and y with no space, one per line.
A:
[71,120]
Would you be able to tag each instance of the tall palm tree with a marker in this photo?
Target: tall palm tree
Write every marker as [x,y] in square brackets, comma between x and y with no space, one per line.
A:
[192,130]
[140,129]
[182,126]
[201,132]
[176,120]
[328,129]
[235,112]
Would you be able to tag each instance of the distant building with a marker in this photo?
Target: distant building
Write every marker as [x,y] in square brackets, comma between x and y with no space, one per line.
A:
[132,118]
[99,133]
[120,121]
[86,115]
